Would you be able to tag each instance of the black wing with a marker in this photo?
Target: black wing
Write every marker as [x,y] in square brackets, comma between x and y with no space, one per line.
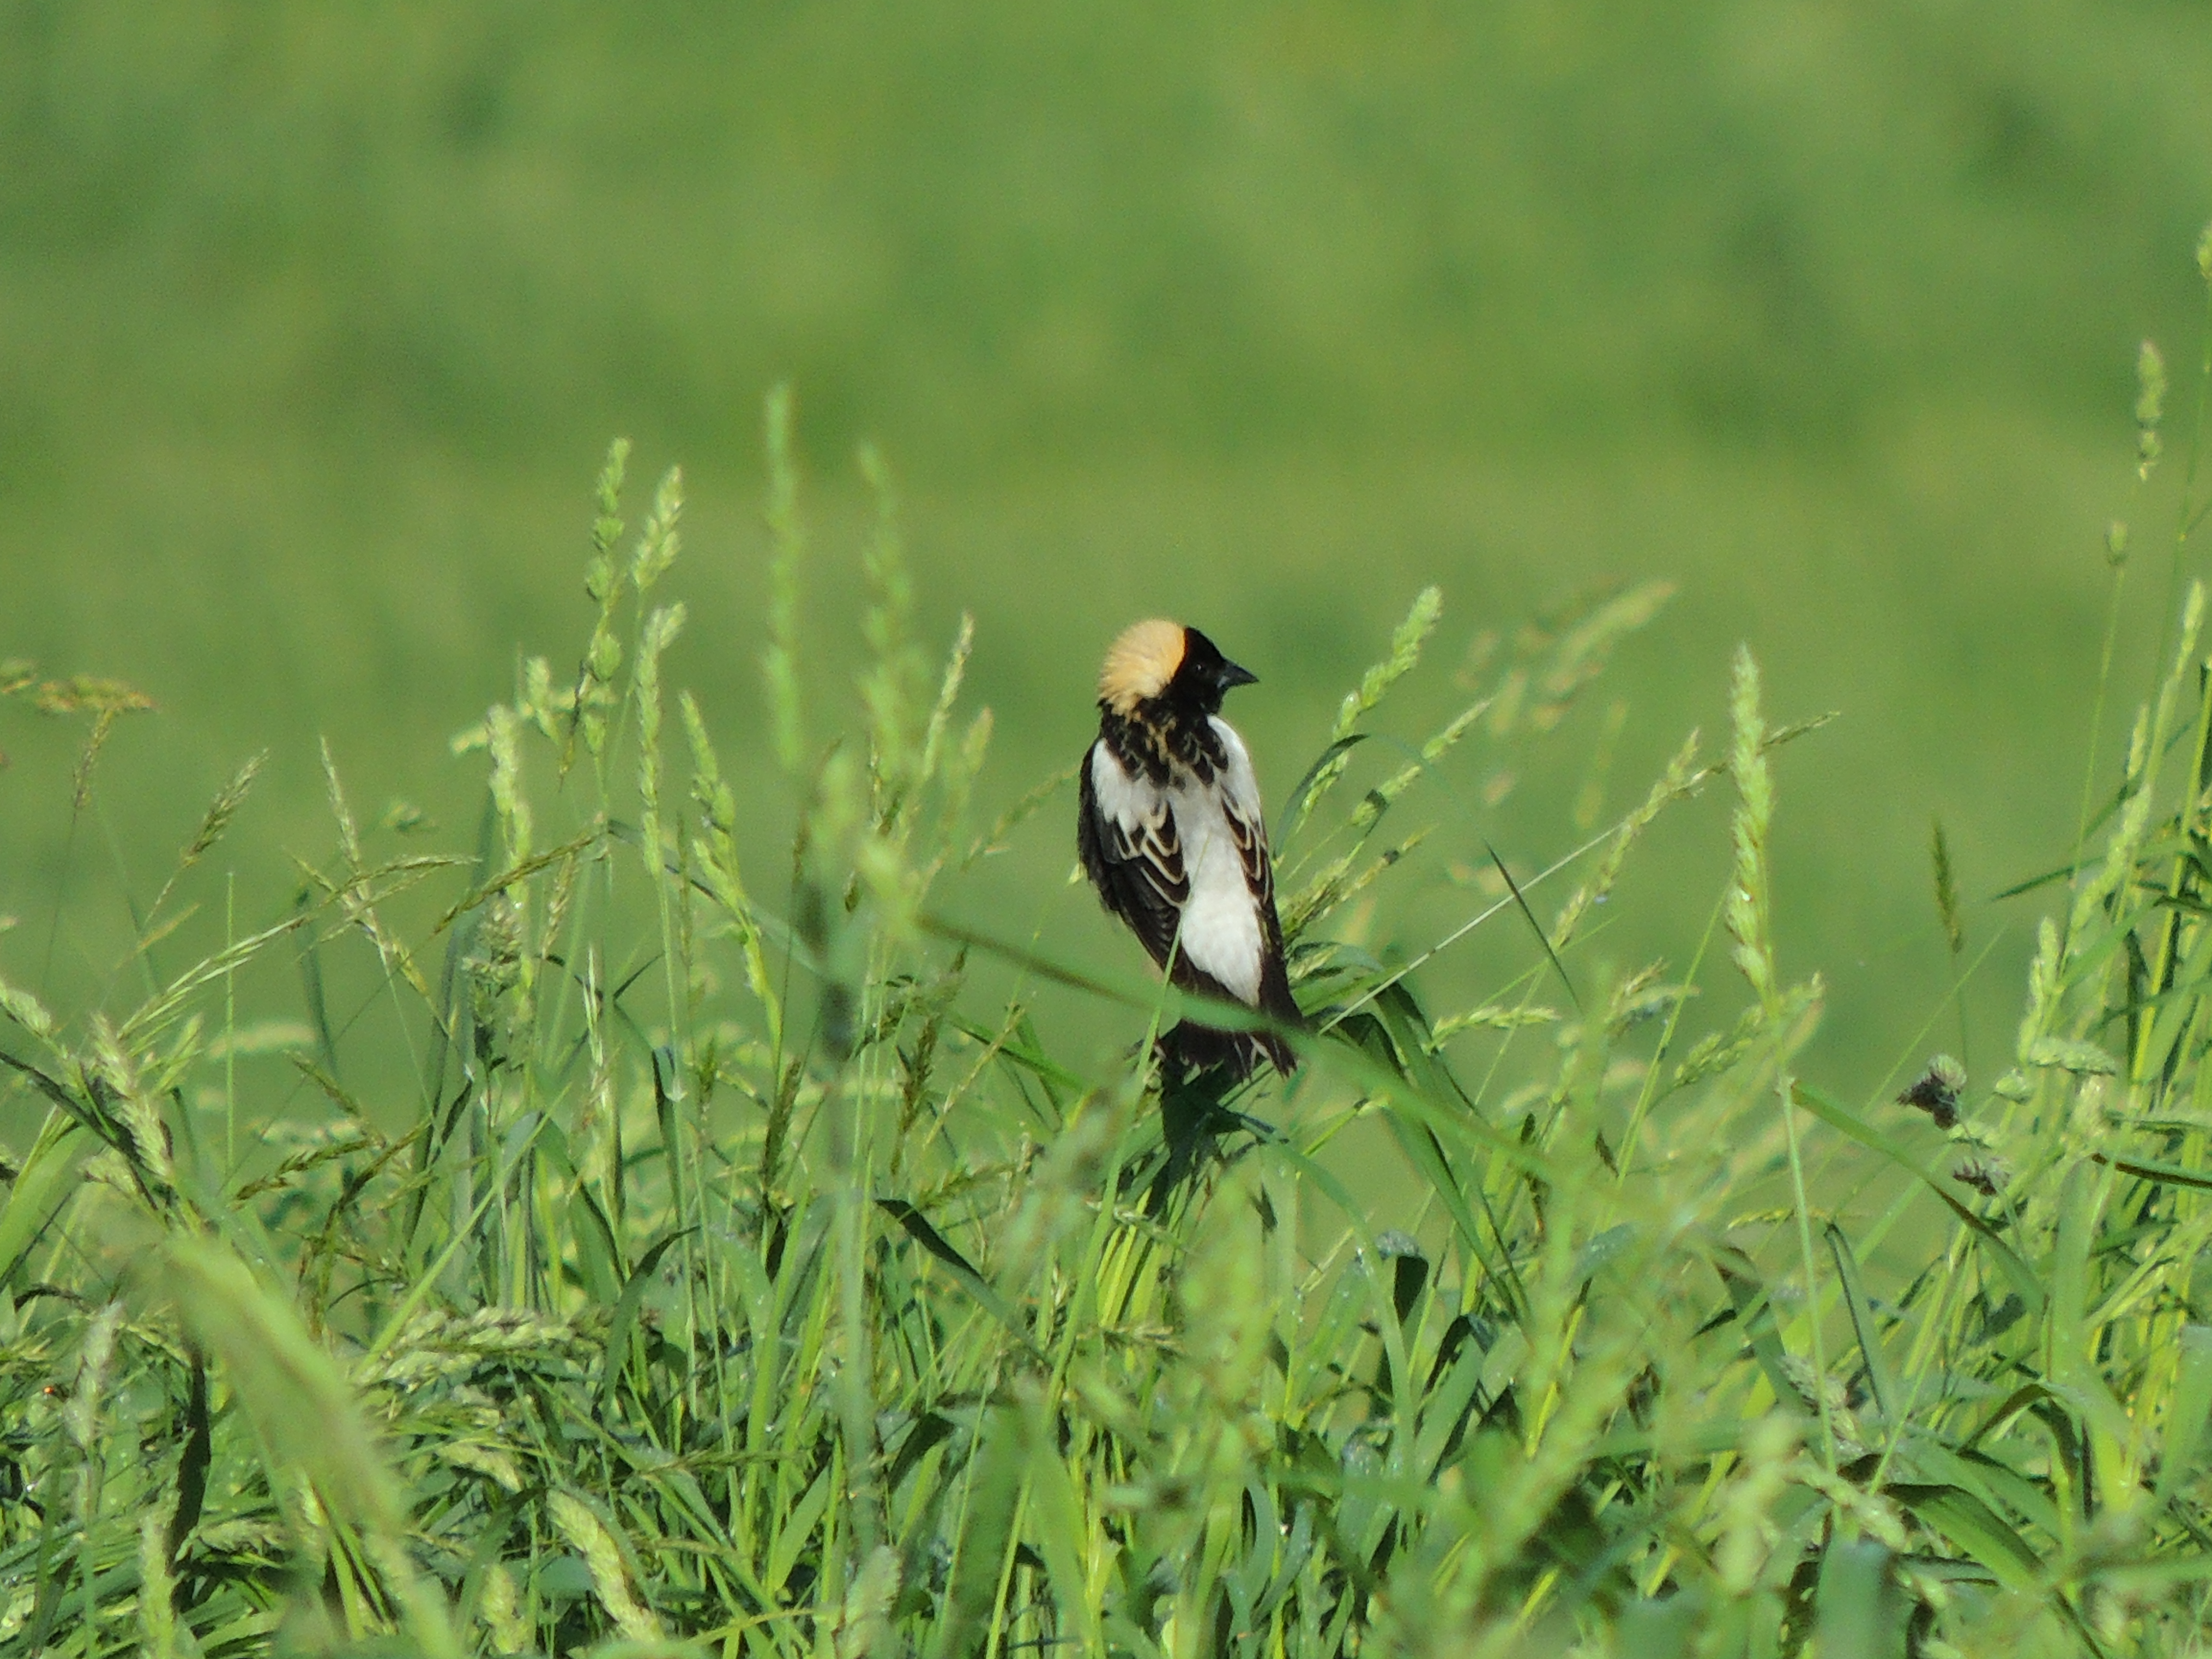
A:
[1133,857]
[1249,832]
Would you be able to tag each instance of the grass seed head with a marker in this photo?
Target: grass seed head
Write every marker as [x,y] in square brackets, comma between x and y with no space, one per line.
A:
[1936,1090]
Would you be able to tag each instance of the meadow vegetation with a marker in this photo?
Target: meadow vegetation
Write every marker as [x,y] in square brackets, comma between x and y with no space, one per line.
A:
[655,1249]
[677,1173]
[314,329]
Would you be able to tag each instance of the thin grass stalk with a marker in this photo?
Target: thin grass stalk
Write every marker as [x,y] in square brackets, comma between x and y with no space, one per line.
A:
[1746,913]
[2190,817]
[656,632]
[229,1028]
[2116,551]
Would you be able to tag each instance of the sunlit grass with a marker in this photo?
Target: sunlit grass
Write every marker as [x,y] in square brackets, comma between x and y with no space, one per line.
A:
[726,1260]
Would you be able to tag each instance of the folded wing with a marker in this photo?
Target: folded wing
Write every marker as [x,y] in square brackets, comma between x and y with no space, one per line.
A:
[1125,833]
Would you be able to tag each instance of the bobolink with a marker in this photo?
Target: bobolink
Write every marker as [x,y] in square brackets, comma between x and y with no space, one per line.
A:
[1172,834]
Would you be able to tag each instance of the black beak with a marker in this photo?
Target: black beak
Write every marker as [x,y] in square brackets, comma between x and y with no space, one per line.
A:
[1230,675]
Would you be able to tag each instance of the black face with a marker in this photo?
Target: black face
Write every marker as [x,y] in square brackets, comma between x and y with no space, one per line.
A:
[1206,674]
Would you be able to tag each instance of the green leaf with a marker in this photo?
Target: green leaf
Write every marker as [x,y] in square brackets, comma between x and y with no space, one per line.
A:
[1662,1630]
[2151,1168]
[1317,777]
[1754,1312]
[1860,1613]
[2186,1409]
[44,1184]
[1971,1525]
[625,1313]
[917,1227]
[985,1524]
[1057,1522]
[1886,1396]
[303,1414]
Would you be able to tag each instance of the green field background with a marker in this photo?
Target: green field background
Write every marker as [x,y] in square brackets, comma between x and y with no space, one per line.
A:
[315,324]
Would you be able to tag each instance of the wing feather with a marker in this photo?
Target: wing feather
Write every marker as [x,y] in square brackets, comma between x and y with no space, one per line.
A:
[1126,834]
[1246,814]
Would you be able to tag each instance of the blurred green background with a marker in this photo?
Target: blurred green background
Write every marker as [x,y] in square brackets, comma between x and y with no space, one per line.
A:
[315,322]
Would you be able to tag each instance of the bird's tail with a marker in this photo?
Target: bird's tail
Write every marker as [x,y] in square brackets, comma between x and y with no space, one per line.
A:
[1192,1050]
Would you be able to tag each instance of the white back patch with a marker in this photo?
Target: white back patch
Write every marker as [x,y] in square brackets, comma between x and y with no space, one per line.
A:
[1221,922]
[1130,802]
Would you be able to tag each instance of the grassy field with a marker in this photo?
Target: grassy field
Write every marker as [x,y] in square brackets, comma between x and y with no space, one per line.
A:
[737,1268]
[1269,318]
[659,1165]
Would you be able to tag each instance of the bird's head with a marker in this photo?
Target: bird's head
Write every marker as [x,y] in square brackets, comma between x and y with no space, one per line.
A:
[1164,662]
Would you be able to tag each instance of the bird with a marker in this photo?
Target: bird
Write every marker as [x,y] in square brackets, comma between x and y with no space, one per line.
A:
[1171,831]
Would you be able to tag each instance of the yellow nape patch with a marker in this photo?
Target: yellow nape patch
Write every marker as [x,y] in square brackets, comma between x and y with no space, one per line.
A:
[1139,664]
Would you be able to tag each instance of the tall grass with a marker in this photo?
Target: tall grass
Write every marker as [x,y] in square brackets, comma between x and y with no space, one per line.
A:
[731,1272]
